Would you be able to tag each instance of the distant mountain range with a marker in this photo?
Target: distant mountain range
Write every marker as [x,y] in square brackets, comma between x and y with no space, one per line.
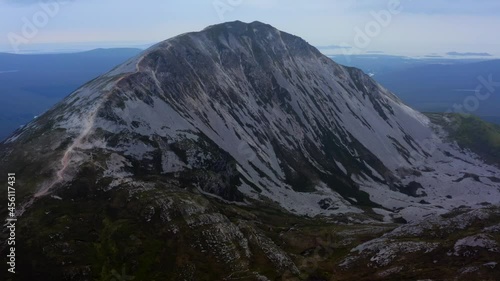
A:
[449,87]
[469,54]
[437,84]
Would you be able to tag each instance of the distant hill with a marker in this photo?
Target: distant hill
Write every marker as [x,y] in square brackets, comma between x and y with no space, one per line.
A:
[31,84]
[432,84]
[471,133]
[438,87]
[379,64]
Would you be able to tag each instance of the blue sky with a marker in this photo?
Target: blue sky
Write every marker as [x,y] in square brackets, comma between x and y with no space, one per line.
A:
[416,27]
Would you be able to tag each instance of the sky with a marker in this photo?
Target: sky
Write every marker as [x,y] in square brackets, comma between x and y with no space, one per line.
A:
[399,27]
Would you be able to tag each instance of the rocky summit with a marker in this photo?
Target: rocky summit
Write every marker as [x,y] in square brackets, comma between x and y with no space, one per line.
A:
[240,152]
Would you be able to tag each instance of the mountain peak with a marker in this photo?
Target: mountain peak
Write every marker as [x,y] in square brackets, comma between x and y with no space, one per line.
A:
[239,26]
[254,39]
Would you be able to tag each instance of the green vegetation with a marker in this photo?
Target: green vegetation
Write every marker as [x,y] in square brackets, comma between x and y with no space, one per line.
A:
[472,133]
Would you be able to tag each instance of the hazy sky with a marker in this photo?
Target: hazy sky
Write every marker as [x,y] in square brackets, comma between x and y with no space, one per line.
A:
[415,27]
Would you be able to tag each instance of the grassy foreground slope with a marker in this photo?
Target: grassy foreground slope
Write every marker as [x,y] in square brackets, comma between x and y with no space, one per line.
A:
[470,132]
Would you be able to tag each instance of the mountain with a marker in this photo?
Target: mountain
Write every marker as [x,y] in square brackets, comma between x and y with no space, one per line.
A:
[228,154]
[32,84]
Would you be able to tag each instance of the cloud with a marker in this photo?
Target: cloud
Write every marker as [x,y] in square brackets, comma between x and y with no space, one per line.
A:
[484,7]
[8,71]
[333,47]
[468,54]
[32,2]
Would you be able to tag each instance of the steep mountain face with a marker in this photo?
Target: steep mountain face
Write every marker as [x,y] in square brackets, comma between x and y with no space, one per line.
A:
[202,144]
